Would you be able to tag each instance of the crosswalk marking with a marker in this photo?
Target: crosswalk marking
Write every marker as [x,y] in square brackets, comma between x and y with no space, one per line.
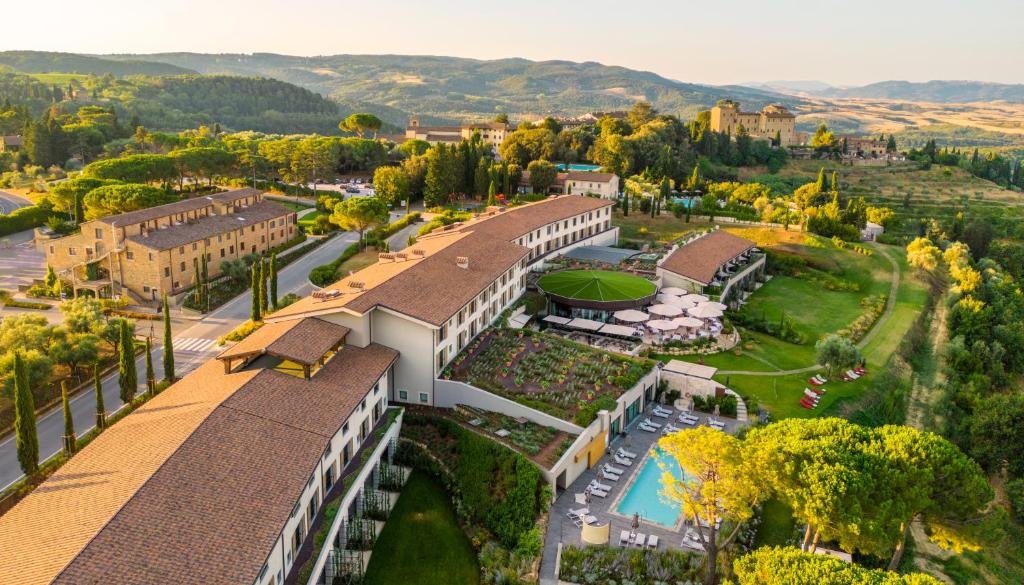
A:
[193,344]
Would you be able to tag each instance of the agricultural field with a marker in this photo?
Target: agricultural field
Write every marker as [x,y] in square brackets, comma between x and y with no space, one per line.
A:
[913,194]
[596,285]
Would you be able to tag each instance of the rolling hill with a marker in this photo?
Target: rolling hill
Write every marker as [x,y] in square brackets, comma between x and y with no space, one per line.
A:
[932,91]
[450,88]
[45,62]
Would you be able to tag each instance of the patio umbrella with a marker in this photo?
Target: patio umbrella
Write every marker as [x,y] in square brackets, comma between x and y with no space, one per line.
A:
[662,325]
[631,316]
[675,301]
[674,290]
[705,312]
[719,306]
[688,322]
[695,298]
[664,310]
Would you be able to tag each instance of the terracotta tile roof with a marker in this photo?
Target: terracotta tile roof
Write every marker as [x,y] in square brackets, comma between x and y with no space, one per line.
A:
[593,176]
[300,340]
[433,288]
[141,215]
[214,510]
[205,227]
[47,529]
[700,259]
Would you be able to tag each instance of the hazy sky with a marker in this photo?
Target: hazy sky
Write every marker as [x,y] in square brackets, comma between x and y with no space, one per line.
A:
[714,41]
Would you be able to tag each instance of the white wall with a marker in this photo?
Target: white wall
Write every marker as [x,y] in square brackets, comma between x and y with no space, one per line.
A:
[359,335]
[414,371]
[448,393]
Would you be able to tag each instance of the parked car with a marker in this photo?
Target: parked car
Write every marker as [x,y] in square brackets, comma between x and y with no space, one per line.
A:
[352,190]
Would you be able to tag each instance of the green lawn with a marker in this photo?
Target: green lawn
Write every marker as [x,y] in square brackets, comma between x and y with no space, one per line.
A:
[422,541]
[777,524]
[293,205]
[310,218]
[596,285]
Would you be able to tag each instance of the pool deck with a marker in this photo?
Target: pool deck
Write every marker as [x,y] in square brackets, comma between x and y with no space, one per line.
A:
[561,528]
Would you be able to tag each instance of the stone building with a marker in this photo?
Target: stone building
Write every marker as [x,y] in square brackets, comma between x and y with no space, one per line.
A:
[149,252]
[727,117]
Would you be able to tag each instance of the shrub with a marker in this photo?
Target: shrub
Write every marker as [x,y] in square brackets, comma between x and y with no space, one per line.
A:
[25,218]
[323,275]
[241,332]
[1015,494]
[589,411]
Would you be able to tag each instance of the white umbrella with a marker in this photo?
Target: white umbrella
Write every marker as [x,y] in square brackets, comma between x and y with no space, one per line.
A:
[675,301]
[674,290]
[705,312]
[688,322]
[696,298]
[662,325]
[631,316]
[665,310]
[719,306]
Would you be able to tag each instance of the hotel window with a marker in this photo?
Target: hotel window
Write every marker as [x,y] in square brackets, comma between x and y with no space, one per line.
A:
[195,246]
[362,405]
[222,252]
[99,233]
[72,251]
[167,270]
[403,395]
[424,397]
[378,409]
[130,255]
[182,267]
[181,250]
[344,428]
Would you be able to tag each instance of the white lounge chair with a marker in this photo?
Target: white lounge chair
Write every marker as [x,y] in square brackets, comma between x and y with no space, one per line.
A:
[578,513]
[687,416]
[688,421]
[691,540]
[648,428]
[610,476]
[626,454]
[812,395]
[660,414]
[671,428]
[581,499]
[652,541]
[651,423]
[623,538]
[621,461]
[659,408]
[601,486]
[598,492]
[615,470]
[641,539]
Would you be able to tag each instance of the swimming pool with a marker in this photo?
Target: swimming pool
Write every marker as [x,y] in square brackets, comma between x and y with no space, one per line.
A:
[686,201]
[642,497]
[578,167]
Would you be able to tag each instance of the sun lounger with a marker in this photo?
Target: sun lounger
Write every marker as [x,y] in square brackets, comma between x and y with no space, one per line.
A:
[615,470]
[648,428]
[652,541]
[651,423]
[660,408]
[598,492]
[581,499]
[691,540]
[660,414]
[687,418]
[671,428]
[623,537]
[578,513]
[625,454]
[812,395]
[601,486]
[641,539]
[622,461]
[610,476]
[688,421]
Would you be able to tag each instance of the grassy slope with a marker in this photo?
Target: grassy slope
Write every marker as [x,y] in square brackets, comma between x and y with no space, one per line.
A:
[422,542]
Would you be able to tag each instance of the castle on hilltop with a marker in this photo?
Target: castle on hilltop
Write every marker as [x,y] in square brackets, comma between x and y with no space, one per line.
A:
[727,117]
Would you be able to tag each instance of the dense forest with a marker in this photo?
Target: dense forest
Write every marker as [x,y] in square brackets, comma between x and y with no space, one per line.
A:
[44,62]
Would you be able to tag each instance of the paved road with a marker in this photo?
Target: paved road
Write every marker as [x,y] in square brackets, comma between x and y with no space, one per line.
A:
[9,202]
[20,262]
[192,346]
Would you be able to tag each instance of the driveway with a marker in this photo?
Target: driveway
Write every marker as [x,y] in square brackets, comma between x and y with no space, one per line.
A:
[20,262]
[10,201]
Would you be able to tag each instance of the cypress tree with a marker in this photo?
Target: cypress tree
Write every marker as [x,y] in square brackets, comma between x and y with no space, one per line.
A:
[198,294]
[492,192]
[26,440]
[264,299]
[254,312]
[101,411]
[129,378]
[821,183]
[625,204]
[205,282]
[150,377]
[273,280]
[70,440]
[835,181]
[168,344]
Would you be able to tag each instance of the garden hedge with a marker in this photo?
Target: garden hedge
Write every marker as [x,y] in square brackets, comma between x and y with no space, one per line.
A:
[25,218]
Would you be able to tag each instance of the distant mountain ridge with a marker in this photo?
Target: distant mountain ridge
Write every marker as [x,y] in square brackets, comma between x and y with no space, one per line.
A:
[47,62]
[932,91]
[453,88]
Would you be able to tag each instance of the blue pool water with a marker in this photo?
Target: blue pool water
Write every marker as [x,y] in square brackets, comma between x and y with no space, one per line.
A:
[642,497]
[686,201]
[578,167]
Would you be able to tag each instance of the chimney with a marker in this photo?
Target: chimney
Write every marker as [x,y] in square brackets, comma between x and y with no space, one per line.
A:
[356,284]
[462,262]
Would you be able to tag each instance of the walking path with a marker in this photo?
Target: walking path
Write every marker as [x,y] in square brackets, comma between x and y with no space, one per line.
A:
[890,305]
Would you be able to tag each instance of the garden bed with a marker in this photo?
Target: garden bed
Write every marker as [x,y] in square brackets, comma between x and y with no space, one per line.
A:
[545,372]
[544,445]
[606,564]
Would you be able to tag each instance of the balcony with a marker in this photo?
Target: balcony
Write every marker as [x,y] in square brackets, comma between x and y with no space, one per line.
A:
[337,500]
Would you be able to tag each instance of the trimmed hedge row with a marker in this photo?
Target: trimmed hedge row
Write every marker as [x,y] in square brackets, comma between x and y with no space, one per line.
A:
[323,275]
[25,218]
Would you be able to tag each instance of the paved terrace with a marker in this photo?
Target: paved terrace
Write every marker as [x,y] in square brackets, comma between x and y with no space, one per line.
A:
[561,528]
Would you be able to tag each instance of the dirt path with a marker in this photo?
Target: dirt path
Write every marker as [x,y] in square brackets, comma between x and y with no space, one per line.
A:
[890,305]
[926,390]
